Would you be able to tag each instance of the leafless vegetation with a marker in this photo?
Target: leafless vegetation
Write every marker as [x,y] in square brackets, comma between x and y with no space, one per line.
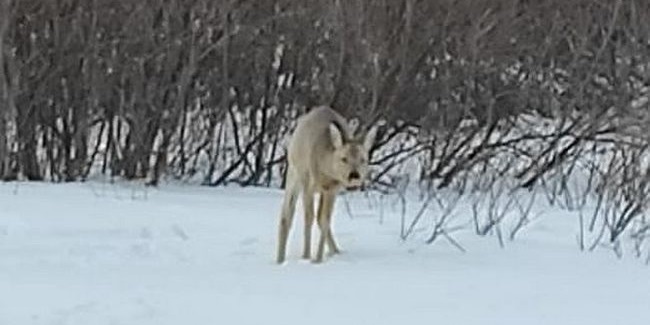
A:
[491,99]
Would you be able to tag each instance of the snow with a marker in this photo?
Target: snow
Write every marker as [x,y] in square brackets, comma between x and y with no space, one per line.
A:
[96,253]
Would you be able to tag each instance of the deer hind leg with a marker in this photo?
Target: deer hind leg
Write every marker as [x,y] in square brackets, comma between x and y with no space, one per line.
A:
[308,206]
[286,215]
[324,221]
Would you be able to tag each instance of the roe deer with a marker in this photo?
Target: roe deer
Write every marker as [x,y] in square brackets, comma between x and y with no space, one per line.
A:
[324,157]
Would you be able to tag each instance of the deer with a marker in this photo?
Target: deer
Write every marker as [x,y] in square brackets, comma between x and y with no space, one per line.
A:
[324,157]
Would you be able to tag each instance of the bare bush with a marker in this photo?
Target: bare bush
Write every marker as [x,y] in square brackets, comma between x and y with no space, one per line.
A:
[489,98]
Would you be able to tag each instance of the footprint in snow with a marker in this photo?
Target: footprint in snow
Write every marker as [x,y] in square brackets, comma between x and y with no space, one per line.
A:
[248,241]
[179,232]
[245,247]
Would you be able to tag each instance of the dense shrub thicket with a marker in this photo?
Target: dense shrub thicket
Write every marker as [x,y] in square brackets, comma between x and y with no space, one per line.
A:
[482,94]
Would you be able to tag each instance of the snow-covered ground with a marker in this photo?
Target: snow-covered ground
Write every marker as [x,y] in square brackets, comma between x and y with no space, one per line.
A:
[95,253]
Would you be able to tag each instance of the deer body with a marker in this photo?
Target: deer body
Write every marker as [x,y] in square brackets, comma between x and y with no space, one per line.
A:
[324,157]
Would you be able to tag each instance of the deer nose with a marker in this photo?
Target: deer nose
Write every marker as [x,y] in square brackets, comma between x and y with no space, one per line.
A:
[354,176]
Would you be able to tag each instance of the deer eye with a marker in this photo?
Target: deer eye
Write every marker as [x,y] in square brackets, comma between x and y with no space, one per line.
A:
[344,160]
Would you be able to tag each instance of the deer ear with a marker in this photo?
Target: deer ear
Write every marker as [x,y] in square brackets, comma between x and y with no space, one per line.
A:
[369,139]
[335,136]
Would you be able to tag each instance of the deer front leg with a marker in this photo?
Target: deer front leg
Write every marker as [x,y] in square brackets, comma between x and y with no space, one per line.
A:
[333,248]
[330,238]
[324,218]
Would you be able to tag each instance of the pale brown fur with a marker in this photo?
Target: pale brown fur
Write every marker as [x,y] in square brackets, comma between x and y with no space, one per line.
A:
[324,157]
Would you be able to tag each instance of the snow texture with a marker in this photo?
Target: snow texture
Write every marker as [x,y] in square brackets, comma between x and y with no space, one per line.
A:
[100,254]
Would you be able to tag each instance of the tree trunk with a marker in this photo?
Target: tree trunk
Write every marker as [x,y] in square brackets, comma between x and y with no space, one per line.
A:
[27,144]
